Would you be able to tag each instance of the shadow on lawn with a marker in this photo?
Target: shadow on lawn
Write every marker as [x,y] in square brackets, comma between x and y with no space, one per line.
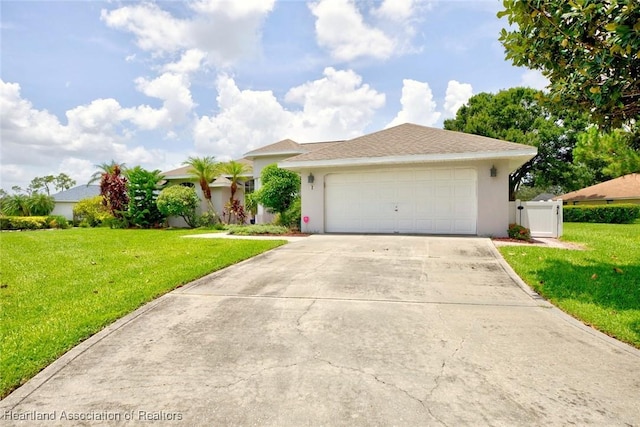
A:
[609,285]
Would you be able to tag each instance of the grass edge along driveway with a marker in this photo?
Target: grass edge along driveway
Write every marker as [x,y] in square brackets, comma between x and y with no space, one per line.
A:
[600,285]
[59,287]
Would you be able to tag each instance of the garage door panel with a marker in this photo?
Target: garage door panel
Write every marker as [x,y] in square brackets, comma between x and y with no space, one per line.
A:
[464,226]
[402,201]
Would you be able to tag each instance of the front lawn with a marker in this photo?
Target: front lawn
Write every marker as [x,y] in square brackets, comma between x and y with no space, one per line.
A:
[600,285]
[58,287]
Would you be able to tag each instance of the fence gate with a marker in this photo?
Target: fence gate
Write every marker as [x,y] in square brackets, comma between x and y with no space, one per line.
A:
[544,219]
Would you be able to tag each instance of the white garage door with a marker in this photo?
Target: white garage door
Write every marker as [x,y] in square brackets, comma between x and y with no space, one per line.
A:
[432,201]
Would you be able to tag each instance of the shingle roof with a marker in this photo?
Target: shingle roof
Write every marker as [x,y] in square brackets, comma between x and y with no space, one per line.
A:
[624,187]
[77,193]
[285,146]
[179,172]
[406,140]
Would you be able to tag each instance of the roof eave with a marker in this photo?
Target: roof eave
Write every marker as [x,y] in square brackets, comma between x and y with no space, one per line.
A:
[252,156]
[516,157]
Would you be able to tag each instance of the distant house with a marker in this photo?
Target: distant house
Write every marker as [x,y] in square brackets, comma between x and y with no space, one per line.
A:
[625,189]
[66,200]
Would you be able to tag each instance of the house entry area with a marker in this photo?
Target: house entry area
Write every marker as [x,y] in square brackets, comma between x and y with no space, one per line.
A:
[406,201]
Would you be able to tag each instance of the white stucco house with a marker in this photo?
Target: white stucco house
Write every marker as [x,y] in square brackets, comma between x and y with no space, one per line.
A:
[67,199]
[275,153]
[405,179]
[220,189]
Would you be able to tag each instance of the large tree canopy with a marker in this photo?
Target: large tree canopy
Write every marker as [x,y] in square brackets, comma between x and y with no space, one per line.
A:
[520,115]
[589,50]
[603,156]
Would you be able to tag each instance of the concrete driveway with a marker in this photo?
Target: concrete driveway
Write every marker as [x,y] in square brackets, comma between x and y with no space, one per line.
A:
[343,330]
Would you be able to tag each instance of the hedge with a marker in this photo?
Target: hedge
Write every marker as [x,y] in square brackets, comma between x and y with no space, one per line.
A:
[32,222]
[609,214]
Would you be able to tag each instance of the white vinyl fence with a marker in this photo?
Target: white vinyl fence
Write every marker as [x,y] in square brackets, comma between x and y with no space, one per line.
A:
[544,219]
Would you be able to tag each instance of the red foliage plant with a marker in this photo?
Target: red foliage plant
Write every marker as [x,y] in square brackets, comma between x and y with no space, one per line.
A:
[113,188]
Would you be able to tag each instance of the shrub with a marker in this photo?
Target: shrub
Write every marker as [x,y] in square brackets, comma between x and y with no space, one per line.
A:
[248,230]
[16,205]
[251,203]
[113,189]
[519,232]
[292,216]
[181,201]
[90,212]
[41,204]
[23,205]
[234,212]
[23,222]
[57,221]
[143,192]
[280,188]
[609,214]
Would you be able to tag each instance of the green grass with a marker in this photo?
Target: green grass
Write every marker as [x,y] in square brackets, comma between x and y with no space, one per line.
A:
[58,287]
[599,286]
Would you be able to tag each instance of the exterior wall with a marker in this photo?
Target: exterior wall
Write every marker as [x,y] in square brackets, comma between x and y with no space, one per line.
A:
[493,198]
[64,209]
[259,163]
[492,192]
[219,197]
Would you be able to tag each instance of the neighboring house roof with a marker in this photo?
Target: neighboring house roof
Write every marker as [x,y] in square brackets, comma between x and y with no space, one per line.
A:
[624,187]
[287,146]
[543,197]
[411,143]
[180,172]
[77,193]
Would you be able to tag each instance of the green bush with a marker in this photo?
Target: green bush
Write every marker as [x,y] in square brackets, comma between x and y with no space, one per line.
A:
[181,201]
[90,212]
[211,221]
[57,221]
[519,232]
[609,214]
[292,217]
[41,204]
[248,230]
[23,222]
[143,191]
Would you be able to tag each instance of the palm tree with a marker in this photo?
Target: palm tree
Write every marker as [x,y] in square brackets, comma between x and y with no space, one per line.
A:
[105,168]
[204,170]
[235,171]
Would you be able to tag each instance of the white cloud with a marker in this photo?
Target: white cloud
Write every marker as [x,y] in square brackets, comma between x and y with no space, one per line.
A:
[349,33]
[156,30]
[534,79]
[417,103]
[341,28]
[189,62]
[35,140]
[225,31]
[336,102]
[173,90]
[336,106]
[456,96]
[396,10]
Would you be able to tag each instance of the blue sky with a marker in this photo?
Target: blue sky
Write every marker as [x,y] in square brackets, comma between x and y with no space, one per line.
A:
[151,83]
